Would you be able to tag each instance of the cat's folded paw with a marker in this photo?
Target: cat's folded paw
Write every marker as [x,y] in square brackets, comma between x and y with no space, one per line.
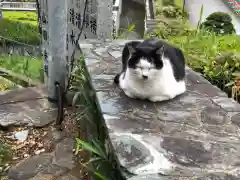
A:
[129,94]
[159,98]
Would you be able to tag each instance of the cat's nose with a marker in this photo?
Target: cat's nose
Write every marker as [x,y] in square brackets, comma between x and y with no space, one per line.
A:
[144,76]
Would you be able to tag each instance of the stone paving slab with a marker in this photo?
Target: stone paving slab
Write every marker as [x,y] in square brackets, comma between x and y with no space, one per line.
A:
[30,107]
[26,106]
[23,94]
[48,166]
[195,136]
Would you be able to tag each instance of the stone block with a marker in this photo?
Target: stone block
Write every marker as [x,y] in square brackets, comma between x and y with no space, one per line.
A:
[195,135]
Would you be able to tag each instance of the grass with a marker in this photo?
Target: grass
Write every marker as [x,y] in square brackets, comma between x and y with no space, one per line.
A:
[5,155]
[24,17]
[179,3]
[28,66]
[20,26]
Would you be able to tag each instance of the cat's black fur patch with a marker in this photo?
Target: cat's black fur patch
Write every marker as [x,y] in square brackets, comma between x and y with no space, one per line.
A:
[116,78]
[147,49]
[125,57]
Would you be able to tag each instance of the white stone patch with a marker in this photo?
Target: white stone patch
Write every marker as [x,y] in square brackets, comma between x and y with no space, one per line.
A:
[207,146]
[85,46]
[160,163]
[109,117]
[116,54]
[100,51]
[220,168]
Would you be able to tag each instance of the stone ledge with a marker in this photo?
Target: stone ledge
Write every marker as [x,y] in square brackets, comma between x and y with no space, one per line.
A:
[193,136]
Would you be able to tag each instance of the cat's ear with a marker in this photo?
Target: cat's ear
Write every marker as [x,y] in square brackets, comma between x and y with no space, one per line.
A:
[160,51]
[131,49]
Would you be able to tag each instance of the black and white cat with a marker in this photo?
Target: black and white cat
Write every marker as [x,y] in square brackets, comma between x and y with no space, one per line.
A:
[152,69]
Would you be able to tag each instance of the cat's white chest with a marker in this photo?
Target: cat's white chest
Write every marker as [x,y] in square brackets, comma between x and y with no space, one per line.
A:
[141,89]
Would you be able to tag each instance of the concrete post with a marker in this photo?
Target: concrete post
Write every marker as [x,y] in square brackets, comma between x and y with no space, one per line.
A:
[104,19]
[57,28]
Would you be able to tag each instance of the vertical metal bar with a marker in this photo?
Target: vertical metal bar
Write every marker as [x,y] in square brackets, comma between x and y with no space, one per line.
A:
[151,9]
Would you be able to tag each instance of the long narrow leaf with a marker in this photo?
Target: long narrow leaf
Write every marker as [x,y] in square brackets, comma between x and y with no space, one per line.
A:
[97,145]
[200,18]
[88,147]
[131,28]
[95,173]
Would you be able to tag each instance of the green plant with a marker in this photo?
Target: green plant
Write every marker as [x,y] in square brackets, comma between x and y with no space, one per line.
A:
[200,18]
[219,22]
[220,70]
[99,157]
[167,29]
[5,154]
[215,57]
[124,33]
[28,66]
[168,2]
[6,84]
[102,164]
[173,12]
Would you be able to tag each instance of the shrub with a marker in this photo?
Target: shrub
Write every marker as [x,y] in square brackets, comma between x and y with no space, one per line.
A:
[5,154]
[168,2]
[219,22]
[167,29]
[220,70]
[173,12]
[215,57]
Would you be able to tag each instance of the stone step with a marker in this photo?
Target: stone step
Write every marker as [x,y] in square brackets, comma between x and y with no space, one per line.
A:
[26,106]
[194,136]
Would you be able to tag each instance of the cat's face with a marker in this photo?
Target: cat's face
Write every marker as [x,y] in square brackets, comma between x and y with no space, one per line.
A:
[145,63]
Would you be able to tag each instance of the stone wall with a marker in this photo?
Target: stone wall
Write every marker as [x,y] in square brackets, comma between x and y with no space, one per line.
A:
[194,136]
[133,13]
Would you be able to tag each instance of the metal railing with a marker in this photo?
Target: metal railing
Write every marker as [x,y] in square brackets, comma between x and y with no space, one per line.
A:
[18,6]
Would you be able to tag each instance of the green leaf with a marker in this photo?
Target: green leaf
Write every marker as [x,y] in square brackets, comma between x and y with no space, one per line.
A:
[75,98]
[88,147]
[200,18]
[131,28]
[94,160]
[95,173]
[98,146]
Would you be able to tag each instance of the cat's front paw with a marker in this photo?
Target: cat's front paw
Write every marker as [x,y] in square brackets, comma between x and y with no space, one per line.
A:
[159,98]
